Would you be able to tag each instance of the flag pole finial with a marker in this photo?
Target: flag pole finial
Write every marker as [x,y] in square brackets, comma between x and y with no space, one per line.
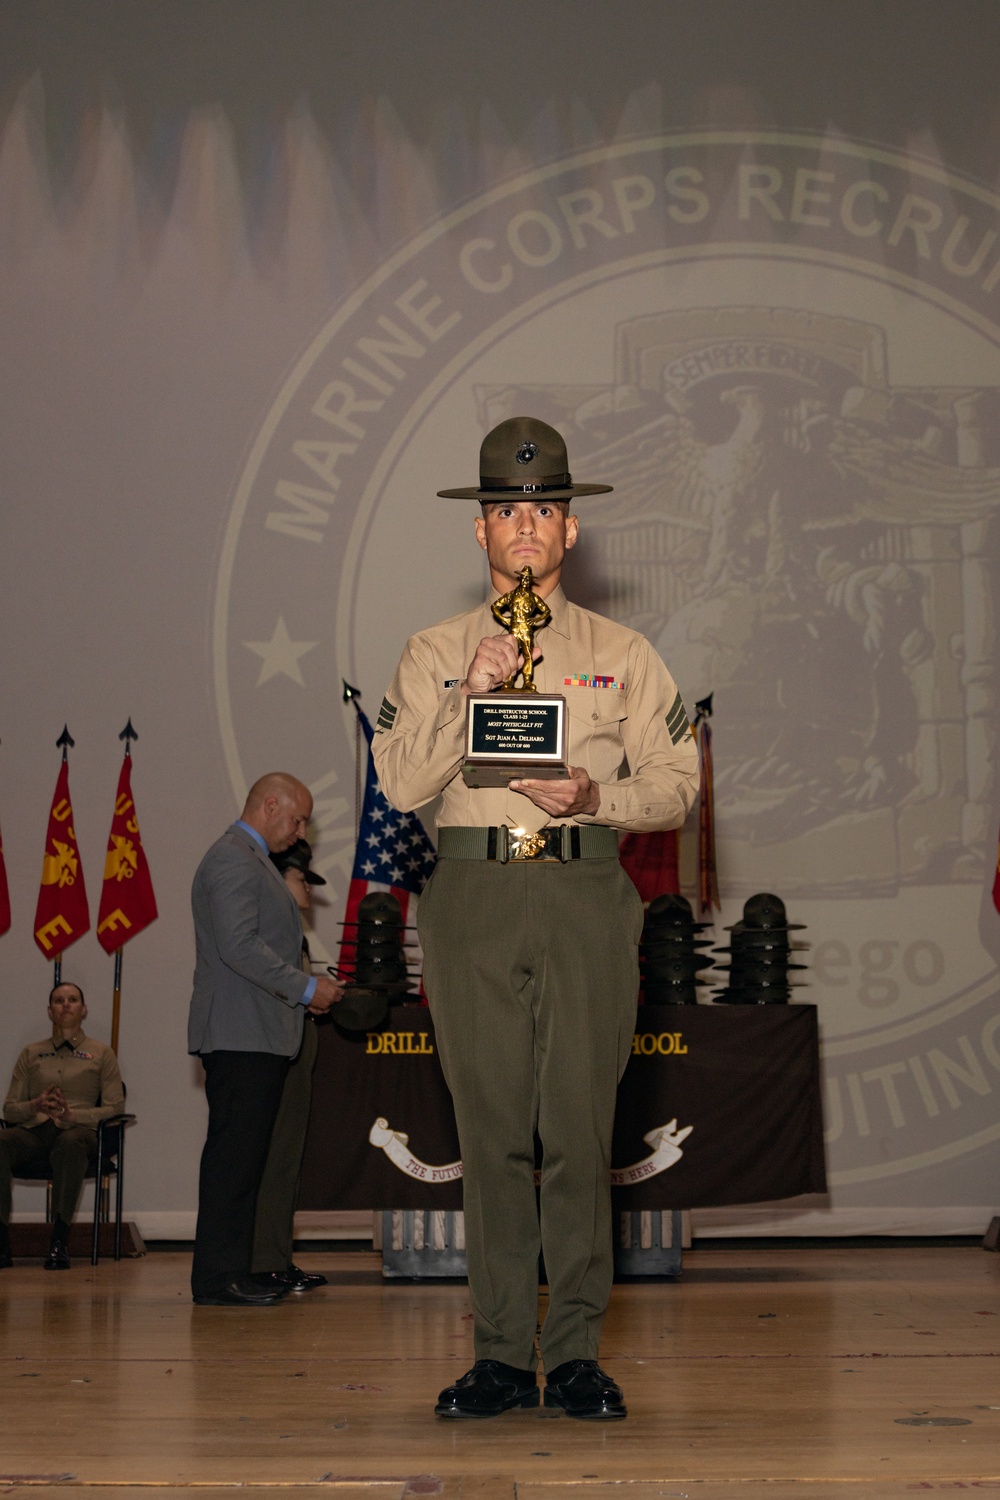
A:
[128,734]
[350,693]
[65,742]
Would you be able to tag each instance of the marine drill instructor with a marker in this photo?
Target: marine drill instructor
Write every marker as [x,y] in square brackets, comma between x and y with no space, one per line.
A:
[530,963]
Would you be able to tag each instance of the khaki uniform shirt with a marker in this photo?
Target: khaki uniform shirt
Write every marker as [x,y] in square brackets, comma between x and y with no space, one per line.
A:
[85,1070]
[627,725]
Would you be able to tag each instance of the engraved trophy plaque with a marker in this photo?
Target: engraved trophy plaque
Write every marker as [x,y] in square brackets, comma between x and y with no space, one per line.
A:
[514,732]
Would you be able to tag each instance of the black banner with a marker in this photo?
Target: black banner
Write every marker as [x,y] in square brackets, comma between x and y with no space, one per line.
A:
[719,1105]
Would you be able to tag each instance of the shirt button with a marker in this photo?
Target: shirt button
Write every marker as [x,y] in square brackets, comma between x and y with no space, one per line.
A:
[595,717]
[645,812]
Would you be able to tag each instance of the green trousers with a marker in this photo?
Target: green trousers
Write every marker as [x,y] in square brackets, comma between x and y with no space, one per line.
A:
[274,1224]
[69,1153]
[531,973]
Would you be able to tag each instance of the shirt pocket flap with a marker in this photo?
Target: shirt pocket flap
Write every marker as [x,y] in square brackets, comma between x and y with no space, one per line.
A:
[590,705]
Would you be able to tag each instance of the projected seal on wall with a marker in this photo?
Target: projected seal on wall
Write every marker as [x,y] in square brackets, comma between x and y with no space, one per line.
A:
[783,352]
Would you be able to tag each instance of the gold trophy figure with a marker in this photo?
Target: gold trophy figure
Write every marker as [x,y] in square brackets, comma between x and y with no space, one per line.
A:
[513,732]
[522,612]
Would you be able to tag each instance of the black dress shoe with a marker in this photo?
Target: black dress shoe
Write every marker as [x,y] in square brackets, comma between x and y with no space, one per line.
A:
[290,1280]
[488,1389]
[297,1280]
[58,1256]
[6,1259]
[242,1292]
[583,1390]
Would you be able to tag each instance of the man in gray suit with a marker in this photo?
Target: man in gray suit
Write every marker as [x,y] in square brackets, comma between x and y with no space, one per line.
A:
[250,997]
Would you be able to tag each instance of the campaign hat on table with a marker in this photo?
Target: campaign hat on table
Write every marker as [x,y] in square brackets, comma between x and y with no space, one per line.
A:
[524,459]
[671,913]
[764,913]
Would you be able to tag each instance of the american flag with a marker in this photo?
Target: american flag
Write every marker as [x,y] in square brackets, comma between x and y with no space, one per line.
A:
[393,854]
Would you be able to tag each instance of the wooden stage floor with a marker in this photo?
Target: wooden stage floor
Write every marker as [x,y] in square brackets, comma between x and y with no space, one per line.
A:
[764,1372]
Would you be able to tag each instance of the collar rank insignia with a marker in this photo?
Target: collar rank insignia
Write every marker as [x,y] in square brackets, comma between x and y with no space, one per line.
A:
[585,679]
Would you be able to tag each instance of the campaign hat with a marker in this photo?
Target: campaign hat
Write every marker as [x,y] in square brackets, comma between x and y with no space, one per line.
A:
[297,857]
[521,459]
[668,914]
[765,913]
[363,1008]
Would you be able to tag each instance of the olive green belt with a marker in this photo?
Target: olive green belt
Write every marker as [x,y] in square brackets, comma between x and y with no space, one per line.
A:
[554,845]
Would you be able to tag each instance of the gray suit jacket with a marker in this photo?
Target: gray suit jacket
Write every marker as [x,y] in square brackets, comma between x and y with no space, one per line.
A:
[248,983]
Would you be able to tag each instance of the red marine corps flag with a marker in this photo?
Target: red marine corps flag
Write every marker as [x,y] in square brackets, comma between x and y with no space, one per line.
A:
[62,914]
[127,901]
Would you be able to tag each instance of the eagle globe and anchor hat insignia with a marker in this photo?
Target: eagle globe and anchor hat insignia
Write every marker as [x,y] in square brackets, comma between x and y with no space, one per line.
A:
[783,352]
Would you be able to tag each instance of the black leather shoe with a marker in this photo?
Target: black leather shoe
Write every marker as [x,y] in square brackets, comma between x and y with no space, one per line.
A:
[58,1256]
[583,1390]
[242,1292]
[292,1279]
[488,1389]
[6,1259]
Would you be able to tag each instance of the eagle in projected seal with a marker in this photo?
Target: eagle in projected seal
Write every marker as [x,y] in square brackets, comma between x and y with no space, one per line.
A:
[812,546]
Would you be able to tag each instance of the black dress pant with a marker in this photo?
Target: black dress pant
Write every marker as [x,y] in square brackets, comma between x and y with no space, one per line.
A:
[243,1090]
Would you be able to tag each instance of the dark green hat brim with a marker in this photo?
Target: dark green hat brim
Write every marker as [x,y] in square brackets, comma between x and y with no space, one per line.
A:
[505,497]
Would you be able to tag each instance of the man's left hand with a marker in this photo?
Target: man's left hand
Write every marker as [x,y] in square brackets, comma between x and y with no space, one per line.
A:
[563,799]
[328,993]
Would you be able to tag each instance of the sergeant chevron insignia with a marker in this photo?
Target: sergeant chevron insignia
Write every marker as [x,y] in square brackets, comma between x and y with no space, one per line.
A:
[386,715]
[677,721]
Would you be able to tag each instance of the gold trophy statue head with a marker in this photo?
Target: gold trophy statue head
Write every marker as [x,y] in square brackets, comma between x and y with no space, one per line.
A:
[522,612]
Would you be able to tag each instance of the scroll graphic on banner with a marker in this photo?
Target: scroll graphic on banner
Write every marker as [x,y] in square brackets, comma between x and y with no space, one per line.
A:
[127,901]
[665,1141]
[395,1144]
[62,914]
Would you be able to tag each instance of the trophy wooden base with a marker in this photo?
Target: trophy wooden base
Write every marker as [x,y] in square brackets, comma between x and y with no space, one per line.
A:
[487,774]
